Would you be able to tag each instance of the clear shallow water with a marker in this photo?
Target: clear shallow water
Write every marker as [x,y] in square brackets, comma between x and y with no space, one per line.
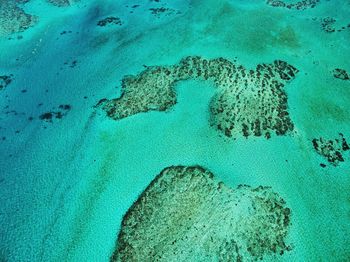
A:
[66,185]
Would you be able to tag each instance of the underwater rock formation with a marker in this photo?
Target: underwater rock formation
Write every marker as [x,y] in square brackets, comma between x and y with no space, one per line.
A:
[341,74]
[5,80]
[247,102]
[186,215]
[332,149]
[298,5]
[110,20]
[13,19]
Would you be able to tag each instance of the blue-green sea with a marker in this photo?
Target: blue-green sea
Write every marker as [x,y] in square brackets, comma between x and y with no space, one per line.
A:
[69,172]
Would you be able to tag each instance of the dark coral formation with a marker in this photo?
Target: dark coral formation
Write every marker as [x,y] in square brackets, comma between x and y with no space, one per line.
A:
[110,20]
[332,150]
[58,114]
[186,215]
[328,25]
[341,74]
[158,12]
[13,19]
[5,80]
[71,64]
[298,5]
[66,32]
[247,102]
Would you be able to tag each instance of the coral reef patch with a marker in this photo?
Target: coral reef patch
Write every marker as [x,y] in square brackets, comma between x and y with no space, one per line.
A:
[13,19]
[5,80]
[332,149]
[298,5]
[59,3]
[57,114]
[341,74]
[110,20]
[247,102]
[163,11]
[22,1]
[186,215]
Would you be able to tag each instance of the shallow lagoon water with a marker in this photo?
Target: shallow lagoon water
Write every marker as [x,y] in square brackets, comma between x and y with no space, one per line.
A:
[66,184]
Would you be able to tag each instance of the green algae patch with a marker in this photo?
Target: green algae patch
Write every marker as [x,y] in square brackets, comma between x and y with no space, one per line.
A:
[323,106]
[260,31]
[330,109]
[246,102]
[186,215]
[287,37]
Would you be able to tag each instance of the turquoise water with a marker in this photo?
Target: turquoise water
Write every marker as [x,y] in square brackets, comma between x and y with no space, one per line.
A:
[67,181]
